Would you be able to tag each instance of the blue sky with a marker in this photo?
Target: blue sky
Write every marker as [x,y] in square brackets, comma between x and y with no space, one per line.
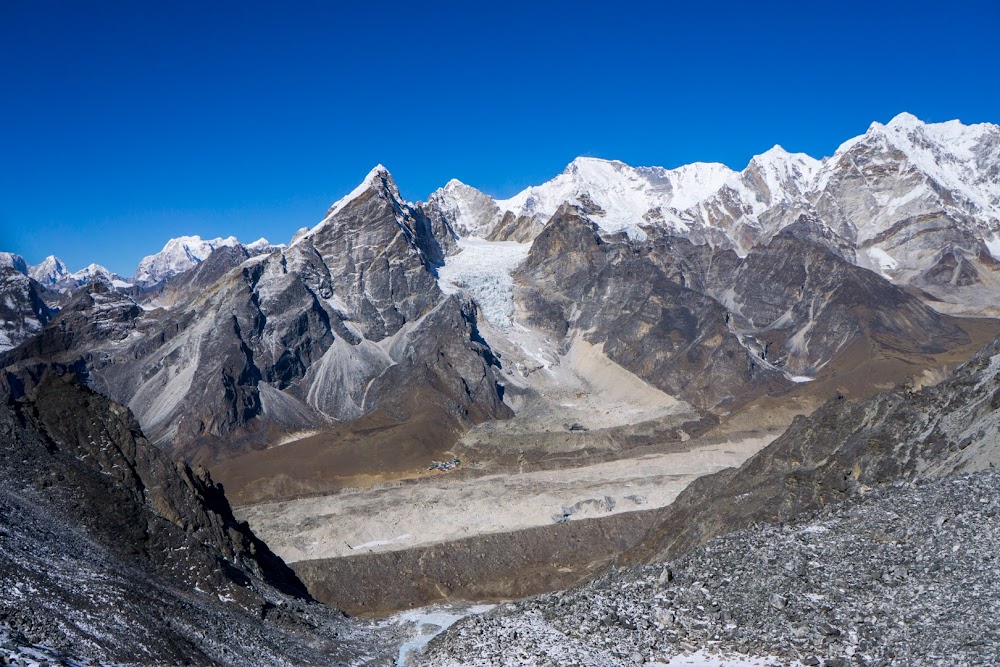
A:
[124,124]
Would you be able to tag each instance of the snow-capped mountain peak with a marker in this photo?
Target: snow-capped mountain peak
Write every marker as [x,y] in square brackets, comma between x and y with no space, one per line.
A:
[956,157]
[178,255]
[378,177]
[784,175]
[378,180]
[13,261]
[261,246]
[469,212]
[49,272]
[903,120]
[94,272]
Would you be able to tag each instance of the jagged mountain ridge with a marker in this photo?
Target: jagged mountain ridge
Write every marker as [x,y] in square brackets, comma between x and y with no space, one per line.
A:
[347,320]
[917,202]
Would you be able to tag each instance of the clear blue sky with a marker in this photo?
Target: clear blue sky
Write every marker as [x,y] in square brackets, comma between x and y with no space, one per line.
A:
[127,123]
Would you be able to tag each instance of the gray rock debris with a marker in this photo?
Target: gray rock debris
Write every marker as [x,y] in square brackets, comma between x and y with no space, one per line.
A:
[878,580]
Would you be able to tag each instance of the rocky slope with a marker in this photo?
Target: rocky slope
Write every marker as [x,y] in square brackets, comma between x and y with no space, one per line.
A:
[842,449]
[112,552]
[902,575]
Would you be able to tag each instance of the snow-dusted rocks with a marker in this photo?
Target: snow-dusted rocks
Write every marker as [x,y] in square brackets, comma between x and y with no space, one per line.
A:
[23,313]
[920,201]
[10,260]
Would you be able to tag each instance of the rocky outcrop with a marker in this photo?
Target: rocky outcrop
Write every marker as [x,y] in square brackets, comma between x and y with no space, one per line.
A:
[128,495]
[95,518]
[23,312]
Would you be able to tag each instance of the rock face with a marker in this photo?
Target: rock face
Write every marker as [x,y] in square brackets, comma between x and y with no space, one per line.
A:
[801,305]
[465,209]
[575,283]
[711,327]
[96,518]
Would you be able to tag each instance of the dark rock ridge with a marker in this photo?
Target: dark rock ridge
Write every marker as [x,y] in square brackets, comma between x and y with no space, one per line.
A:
[485,567]
[111,551]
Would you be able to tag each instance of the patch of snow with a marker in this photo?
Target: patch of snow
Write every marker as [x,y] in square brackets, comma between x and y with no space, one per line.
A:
[882,261]
[993,245]
[427,623]
[381,543]
[706,659]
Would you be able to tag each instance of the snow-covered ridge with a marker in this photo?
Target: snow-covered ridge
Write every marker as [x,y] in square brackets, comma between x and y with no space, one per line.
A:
[185,252]
[622,194]
[53,274]
[873,190]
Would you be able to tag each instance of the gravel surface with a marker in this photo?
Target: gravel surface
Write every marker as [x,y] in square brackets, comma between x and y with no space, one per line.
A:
[905,574]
